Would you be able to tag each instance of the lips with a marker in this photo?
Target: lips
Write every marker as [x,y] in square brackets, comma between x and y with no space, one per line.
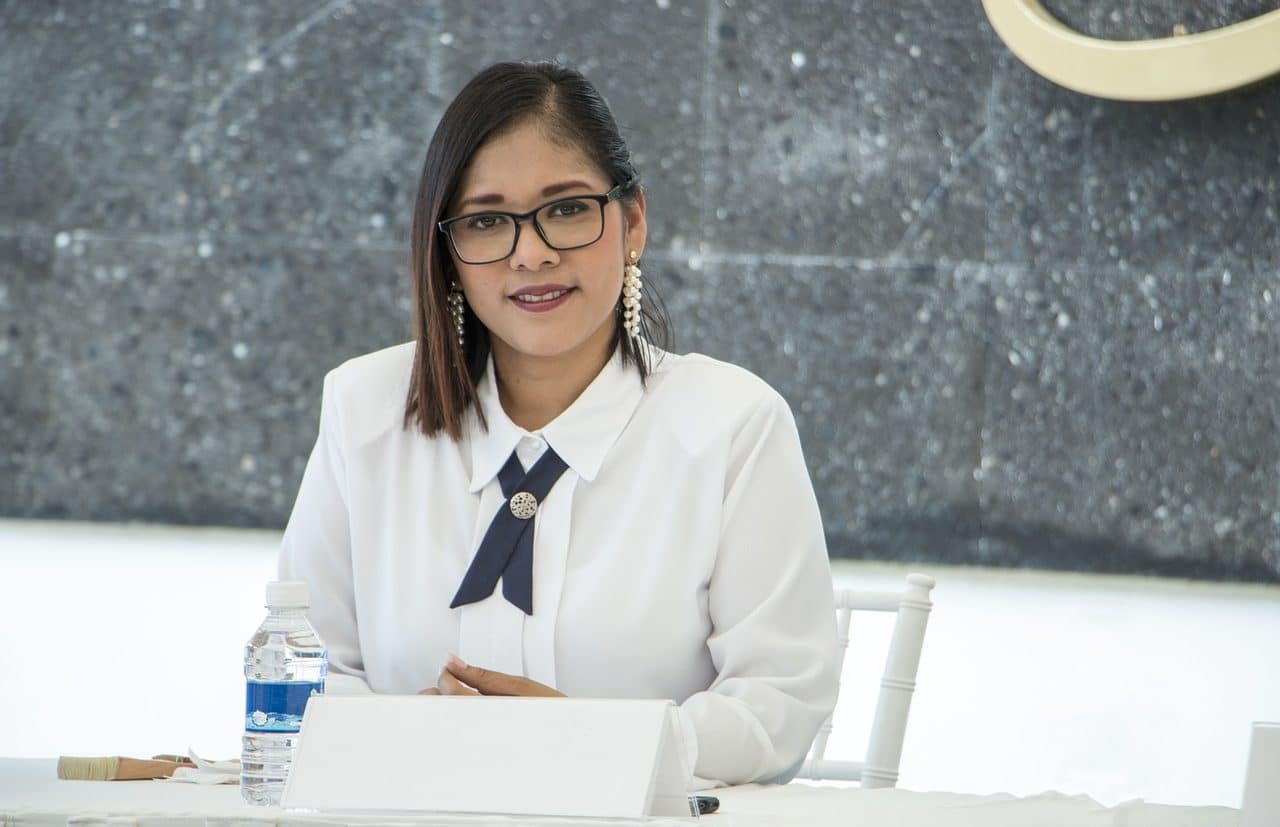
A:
[541,297]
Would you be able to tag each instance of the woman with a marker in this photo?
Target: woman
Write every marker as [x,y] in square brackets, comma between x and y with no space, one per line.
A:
[534,486]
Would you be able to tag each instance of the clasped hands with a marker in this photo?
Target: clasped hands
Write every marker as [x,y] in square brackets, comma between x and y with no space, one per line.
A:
[458,678]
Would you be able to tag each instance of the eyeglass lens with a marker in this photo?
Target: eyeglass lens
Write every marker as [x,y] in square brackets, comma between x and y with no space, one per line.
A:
[568,223]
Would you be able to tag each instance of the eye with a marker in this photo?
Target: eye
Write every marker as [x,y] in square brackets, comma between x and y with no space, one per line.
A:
[485,221]
[567,209]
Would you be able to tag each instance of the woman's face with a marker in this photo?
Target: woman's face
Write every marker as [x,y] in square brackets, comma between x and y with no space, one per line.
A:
[520,171]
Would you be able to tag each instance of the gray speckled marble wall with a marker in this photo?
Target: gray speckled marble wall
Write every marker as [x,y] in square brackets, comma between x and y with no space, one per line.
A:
[1018,326]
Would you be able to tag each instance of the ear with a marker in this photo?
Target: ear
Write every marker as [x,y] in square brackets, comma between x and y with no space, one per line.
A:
[633,211]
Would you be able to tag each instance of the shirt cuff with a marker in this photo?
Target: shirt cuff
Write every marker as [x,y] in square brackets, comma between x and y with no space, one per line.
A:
[689,735]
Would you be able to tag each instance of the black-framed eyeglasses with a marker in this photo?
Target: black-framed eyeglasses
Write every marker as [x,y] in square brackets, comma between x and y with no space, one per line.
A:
[562,224]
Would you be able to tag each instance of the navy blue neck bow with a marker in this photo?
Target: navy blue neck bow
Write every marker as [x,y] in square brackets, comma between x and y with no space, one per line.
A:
[507,548]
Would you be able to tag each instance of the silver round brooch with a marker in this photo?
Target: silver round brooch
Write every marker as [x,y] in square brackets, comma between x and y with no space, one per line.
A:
[524,505]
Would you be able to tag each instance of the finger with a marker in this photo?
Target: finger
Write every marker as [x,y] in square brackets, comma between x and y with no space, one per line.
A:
[485,681]
[430,690]
[492,682]
[449,685]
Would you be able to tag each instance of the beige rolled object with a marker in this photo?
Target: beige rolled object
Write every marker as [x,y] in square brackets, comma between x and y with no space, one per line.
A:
[114,768]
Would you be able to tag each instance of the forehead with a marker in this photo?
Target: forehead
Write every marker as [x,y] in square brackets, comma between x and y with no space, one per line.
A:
[518,163]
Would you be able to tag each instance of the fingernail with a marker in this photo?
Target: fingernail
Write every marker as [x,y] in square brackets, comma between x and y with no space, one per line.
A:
[455,662]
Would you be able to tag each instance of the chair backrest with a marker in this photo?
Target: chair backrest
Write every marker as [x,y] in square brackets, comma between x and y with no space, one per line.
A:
[889,726]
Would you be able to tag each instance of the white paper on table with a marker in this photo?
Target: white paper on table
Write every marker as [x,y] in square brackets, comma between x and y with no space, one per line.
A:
[206,772]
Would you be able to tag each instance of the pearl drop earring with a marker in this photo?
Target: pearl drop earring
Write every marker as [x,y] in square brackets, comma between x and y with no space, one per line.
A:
[457,305]
[631,287]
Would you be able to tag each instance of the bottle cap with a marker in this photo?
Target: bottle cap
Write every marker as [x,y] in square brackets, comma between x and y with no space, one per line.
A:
[288,594]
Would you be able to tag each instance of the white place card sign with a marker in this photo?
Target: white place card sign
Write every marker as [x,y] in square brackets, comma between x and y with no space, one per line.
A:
[597,758]
[1261,804]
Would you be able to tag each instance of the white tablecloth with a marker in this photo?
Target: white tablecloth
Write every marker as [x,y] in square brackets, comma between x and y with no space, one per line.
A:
[31,794]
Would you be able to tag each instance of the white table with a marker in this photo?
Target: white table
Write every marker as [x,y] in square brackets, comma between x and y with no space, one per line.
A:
[31,794]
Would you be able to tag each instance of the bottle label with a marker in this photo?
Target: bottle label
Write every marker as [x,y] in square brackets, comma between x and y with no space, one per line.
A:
[277,707]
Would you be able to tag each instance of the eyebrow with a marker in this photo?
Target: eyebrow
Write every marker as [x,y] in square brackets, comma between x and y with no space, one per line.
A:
[496,198]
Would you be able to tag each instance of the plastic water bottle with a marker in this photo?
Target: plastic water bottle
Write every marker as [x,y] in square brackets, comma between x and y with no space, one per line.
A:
[285,663]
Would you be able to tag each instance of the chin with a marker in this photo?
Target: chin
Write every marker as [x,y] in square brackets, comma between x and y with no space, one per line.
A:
[544,346]
[556,342]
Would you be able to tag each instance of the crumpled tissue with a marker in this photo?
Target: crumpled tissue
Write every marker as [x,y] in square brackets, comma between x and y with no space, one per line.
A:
[206,772]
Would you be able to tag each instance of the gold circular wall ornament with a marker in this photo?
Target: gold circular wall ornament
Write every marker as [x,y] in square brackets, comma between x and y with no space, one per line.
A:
[1163,69]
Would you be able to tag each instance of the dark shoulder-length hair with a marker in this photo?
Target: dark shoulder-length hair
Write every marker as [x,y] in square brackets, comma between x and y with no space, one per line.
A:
[442,386]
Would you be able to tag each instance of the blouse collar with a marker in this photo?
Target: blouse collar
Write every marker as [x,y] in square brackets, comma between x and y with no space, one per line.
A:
[581,435]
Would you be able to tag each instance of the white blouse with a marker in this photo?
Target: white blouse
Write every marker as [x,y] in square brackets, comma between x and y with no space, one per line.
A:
[680,556]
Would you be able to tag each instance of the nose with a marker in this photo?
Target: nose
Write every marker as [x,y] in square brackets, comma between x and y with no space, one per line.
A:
[531,252]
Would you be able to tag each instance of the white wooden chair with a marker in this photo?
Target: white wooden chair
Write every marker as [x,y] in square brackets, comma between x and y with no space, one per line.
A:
[889,726]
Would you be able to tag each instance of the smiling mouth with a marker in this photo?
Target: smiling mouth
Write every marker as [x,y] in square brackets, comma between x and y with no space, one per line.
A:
[530,298]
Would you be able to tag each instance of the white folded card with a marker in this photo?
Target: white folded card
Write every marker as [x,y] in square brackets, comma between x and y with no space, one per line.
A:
[599,758]
[1261,804]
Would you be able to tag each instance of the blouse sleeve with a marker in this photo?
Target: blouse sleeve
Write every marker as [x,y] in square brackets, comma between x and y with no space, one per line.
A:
[317,549]
[773,637]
